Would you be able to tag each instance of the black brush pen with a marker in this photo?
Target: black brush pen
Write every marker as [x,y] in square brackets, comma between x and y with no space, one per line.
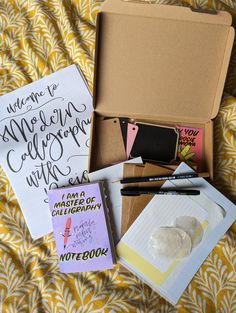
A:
[135,191]
[131,180]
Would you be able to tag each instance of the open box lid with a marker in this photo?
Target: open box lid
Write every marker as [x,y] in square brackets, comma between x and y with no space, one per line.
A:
[162,62]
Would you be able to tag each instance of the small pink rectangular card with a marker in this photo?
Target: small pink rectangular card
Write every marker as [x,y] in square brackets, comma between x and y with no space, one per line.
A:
[190,147]
[131,135]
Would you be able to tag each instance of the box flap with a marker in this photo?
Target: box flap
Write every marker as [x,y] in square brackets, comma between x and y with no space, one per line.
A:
[161,61]
[139,8]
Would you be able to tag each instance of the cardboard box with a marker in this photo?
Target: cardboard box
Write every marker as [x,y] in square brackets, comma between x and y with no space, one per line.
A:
[160,64]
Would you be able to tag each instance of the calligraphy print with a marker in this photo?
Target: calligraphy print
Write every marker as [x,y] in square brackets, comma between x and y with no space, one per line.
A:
[44,141]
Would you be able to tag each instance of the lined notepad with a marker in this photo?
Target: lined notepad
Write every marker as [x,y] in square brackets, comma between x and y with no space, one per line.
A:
[170,278]
[161,211]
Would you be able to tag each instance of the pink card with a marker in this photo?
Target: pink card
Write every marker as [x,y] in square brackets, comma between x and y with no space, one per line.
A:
[132,131]
[190,146]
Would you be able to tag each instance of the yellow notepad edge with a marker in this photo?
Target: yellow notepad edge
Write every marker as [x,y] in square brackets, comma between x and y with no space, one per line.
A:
[142,265]
[136,260]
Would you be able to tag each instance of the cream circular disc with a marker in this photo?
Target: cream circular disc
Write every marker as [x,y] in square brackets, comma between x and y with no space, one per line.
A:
[169,242]
[192,227]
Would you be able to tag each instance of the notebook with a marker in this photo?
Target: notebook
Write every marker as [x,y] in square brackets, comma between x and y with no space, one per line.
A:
[170,277]
[81,228]
[161,211]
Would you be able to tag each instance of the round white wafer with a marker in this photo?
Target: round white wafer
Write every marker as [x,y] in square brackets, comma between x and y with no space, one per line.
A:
[169,242]
[192,227]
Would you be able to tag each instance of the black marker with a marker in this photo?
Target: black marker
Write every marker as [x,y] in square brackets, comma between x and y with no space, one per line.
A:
[134,191]
[131,180]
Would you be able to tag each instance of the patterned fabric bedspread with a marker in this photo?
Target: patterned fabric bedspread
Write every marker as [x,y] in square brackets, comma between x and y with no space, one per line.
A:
[38,37]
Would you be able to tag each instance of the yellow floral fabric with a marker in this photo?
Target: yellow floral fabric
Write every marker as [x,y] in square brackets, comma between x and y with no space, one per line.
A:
[38,37]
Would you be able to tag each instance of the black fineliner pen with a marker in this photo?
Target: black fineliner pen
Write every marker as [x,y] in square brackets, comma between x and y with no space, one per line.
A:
[157,191]
[131,180]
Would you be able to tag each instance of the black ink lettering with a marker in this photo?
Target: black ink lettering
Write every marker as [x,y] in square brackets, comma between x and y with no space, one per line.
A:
[51,89]
[45,172]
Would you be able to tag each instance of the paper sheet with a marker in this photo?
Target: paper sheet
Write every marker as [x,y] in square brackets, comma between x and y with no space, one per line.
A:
[44,139]
[109,175]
